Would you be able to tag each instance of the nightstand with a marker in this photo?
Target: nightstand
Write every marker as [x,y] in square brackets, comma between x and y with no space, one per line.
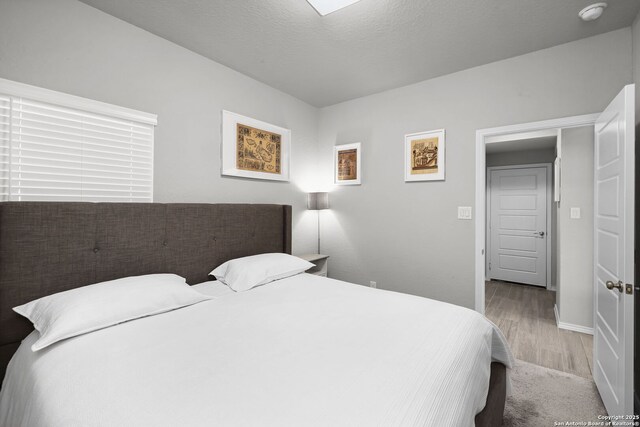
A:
[321,263]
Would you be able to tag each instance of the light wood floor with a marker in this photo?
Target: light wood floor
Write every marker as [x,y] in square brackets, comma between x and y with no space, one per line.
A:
[525,316]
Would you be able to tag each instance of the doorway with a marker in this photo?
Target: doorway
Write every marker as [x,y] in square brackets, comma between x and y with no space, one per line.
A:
[521,247]
[612,276]
[519,223]
[505,137]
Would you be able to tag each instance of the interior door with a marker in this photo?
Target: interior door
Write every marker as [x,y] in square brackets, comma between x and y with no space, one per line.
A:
[613,251]
[518,225]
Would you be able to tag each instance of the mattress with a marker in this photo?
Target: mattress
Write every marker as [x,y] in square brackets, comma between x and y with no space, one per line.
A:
[305,350]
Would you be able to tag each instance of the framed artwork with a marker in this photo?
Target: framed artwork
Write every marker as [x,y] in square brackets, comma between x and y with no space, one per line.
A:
[424,156]
[254,149]
[347,167]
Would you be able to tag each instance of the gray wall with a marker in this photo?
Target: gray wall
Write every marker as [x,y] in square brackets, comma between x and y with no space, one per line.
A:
[74,48]
[406,235]
[530,157]
[574,296]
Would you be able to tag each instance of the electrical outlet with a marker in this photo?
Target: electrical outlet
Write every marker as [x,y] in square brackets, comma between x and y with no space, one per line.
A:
[373,284]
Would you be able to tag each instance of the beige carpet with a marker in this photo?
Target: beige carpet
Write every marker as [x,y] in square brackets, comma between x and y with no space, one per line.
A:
[542,396]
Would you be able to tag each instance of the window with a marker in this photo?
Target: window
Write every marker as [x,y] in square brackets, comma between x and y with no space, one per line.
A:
[58,147]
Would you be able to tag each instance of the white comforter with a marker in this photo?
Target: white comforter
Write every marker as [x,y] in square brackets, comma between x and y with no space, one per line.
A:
[302,351]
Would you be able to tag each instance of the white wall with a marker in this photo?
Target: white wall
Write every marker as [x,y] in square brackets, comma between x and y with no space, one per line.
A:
[574,296]
[68,46]
[636,62]
[406,235]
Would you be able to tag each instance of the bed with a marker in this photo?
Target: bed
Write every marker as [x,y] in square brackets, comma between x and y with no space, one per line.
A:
[304,350]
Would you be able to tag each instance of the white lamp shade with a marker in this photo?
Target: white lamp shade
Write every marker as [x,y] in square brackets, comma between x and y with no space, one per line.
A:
[317,201]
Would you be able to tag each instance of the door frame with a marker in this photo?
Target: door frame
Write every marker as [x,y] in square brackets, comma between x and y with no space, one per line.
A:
[549,194]
[482,138]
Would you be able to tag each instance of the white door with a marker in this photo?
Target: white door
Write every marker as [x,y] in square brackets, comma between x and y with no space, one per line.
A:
[518,225]
[613,244]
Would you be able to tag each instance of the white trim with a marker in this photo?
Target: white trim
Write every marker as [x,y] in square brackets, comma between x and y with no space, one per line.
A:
[575,328]
[570,326]
[522,136]
[564,123]
[549,203]
[35,93]
[556,179]
[481,165]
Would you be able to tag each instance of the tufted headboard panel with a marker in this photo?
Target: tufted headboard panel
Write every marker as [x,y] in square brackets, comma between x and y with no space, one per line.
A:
[49,247]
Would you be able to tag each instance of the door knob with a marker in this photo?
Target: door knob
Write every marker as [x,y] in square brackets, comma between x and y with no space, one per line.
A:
[611,285]
[539,233]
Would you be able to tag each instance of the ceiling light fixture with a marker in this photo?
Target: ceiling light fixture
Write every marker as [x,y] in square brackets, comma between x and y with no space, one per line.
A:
[592,12]
[325,7]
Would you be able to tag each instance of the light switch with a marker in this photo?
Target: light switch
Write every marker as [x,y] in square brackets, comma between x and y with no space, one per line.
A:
[464,212]
[575,213]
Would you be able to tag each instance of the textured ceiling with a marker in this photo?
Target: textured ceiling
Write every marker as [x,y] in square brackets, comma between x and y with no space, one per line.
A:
[365,48]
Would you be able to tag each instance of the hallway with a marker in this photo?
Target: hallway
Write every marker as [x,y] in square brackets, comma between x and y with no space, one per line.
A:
[525,315]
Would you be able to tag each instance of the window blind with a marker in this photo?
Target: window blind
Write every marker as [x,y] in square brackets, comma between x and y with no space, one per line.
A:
[51,152]
[5,119]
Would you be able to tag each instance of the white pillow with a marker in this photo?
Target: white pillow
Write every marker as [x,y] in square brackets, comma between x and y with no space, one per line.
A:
[88,308]
[242,274]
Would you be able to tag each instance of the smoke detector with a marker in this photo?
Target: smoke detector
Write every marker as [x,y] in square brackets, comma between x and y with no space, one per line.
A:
[592,12]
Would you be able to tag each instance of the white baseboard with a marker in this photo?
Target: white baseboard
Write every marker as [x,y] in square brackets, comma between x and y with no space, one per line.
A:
[575,328]
[570,326]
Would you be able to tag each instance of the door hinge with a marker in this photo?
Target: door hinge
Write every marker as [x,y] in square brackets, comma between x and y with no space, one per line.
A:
[489,266]
[629,289]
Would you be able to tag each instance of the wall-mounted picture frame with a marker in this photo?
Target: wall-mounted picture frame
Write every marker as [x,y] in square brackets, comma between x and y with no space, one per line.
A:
[424,156]
[347,167]
[254,149]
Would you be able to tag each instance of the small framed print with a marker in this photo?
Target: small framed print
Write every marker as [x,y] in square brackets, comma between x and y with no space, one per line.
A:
[347,166]
[254,149]
[424,156]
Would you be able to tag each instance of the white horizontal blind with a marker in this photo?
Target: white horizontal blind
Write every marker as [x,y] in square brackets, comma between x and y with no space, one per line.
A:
[5,129]
[67,154]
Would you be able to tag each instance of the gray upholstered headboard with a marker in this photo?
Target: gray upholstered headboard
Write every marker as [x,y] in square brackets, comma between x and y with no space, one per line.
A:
[49,247]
